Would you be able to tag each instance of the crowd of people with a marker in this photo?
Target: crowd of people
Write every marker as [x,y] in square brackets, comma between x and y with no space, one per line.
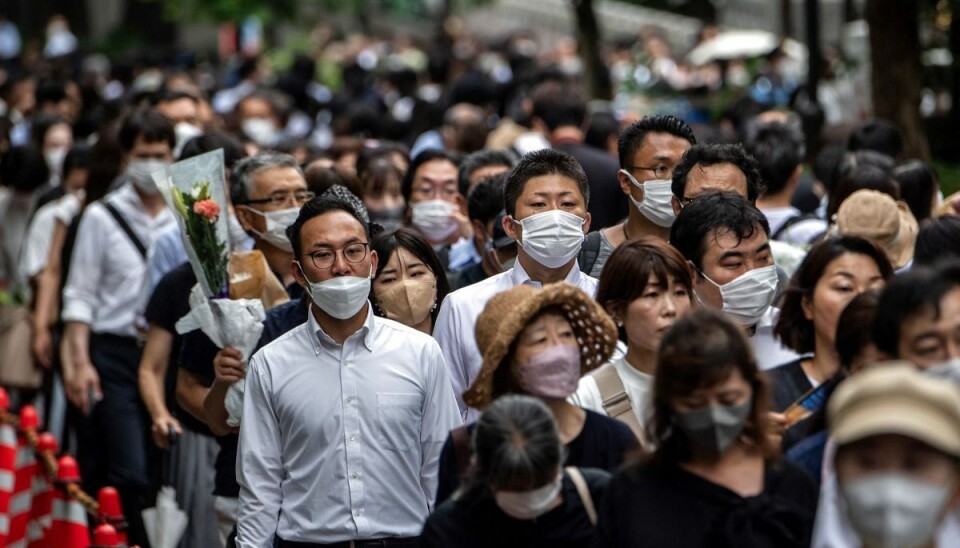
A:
[488,330]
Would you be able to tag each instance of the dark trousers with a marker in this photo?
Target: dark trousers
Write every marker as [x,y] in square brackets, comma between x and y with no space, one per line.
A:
[116,448]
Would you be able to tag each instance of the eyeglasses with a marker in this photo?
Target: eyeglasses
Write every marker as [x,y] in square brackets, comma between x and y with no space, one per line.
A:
[660,172]
[299,197]
[325,258]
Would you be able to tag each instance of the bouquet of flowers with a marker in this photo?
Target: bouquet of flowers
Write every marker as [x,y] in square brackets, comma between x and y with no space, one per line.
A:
[195,189]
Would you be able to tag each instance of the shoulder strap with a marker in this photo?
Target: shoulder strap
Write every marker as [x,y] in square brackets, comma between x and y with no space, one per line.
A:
[461,450]
[589,252]
[616,403]
[790,222]
[584,491]
[122,223]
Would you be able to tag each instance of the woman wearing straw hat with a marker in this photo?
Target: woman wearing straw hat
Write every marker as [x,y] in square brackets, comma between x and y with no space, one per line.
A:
[539,342]
[518,493]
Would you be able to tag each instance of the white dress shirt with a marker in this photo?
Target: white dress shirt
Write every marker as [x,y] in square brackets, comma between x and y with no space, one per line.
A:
[36,244]
[769,350]
[105,285]
[457,321]
[637,384]
[342,443]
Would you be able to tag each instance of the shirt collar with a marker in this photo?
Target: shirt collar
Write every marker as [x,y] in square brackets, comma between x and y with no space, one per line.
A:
[519,276]
[319,336]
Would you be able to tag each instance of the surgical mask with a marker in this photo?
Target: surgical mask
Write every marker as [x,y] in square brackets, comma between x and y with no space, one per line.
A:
[657,200]
[529,504]
[341,297]
[276,222]
[408,301]
[747,298]
[139,172]
[713,429]
[54,158]
[260,130]
[949,370]
[552,238]
[553,373]
[390,219]
[184,133]
[495,259]
[893,510]
[239,239]
[435,219]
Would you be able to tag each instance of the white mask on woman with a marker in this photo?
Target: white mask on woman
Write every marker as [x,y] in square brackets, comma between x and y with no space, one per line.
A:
[529,504]
[894,510]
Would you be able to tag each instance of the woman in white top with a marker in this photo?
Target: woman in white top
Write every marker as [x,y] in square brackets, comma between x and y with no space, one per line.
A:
[645,286]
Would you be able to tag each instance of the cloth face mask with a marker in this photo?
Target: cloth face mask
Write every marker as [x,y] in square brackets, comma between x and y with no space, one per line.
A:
[139,172]
[657,200]
[714,428]
[275,232]
[435,219]
[747,298]
[341,297]
[529,504]
[553,373]
[552,238]
[892,510]
[408,301]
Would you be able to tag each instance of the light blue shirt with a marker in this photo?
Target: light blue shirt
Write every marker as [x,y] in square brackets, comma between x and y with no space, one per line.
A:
[166,254]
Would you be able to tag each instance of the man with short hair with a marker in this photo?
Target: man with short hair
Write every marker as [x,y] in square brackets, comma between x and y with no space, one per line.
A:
[183,111]
[726,240]
[559,112]
[102,301]
[715,168]
[345,416]
[779,150]
[545,197]
[649,149]
[493,246]
[481,165]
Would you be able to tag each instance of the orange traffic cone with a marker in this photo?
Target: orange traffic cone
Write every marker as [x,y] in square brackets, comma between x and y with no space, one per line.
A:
[69,526]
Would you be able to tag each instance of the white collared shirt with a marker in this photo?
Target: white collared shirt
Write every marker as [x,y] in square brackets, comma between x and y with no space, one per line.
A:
[457,321]
[107,273]
[342,443]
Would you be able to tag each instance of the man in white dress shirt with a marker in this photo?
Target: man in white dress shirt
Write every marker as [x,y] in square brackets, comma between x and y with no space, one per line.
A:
[344,417]
[545,198]
[102,300]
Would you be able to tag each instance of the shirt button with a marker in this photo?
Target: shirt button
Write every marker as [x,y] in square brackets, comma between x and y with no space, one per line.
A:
[349,399]
[355,476]
[349,364]
[353,438]
[357,513]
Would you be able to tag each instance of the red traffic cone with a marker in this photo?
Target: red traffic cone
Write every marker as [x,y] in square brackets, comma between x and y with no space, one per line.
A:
[105,536]
[112,512]
[26,467]
[41,511]
[68,528]
[8,471]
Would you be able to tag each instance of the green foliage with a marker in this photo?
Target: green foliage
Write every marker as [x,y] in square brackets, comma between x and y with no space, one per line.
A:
[222,11]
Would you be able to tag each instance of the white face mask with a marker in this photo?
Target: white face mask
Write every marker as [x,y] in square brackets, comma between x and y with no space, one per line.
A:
[435,219]
[184,133]
[55,158]
[139,172]
[529,504]
[341,297]
[260,130]
[552,238]
[893,510]
[657,200]
[276,226]
[949,370]
[747,298]
[239,239]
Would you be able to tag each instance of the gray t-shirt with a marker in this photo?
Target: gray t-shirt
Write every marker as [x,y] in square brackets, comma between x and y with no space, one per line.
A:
[606,248]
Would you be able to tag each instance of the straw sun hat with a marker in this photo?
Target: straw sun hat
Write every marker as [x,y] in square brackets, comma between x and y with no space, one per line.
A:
[508,313]
[881,219]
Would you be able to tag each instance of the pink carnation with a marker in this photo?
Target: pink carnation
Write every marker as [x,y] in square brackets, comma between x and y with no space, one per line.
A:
[207,208]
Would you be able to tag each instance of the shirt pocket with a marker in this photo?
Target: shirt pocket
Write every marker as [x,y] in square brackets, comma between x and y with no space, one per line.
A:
[399,421]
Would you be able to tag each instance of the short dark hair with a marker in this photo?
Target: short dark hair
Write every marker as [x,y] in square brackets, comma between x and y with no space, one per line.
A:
[149,125]
[708,155]
[918,185]
[631,138]
[908,295]
[212,140]
[481,159]
[937,240]
[78,157]
[429,155]
[485,200]
[714,211]
[325,203]
[23,168]
[854,327]
[825,165]
[386,243]
[793,328]
[878,135]
[862,177]
[603,126]
[778,149]
[169,96]
[539,163]
[559,104]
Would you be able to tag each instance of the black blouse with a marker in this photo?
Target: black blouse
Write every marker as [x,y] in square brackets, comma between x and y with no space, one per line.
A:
[664,505]
[477,522]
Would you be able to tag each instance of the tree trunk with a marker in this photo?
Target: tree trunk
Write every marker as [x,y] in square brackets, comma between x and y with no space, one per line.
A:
[588,39]
[896,70]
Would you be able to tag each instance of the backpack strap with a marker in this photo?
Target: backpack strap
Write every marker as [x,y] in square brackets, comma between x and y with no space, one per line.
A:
[589,252]
[584,491]
[122,223]
[616,403]
[461,450]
